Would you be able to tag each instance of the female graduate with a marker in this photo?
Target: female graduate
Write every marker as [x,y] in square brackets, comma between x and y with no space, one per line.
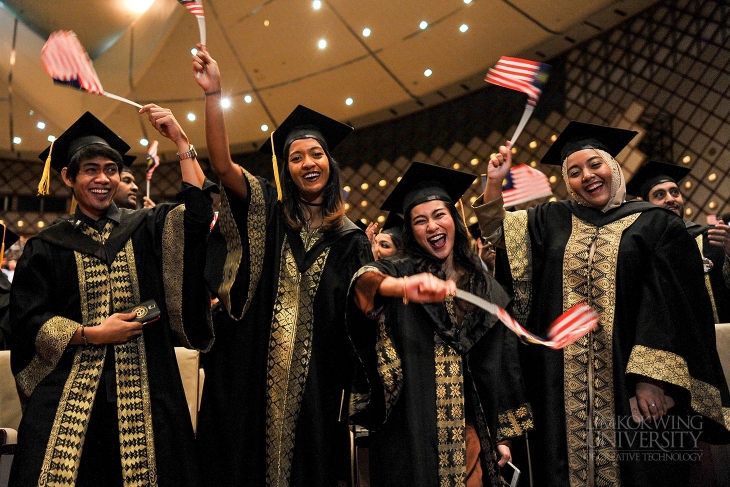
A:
[389,241]
[635,264]
[441,392]
[275,385]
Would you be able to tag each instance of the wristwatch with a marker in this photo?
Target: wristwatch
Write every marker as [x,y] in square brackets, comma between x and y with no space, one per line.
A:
[189,154]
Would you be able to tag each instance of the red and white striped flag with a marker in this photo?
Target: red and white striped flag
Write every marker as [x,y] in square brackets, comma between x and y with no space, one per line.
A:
[524,183]
[195,7]
[153,160]
[65,60]
[521,75]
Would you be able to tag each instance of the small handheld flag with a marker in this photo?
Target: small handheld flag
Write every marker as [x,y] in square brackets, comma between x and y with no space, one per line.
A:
[65,60]
[567,328]
[522,184]
[521,75]
[196,8]
[153,160]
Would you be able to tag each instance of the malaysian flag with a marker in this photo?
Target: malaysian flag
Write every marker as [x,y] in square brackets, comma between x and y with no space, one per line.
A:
[523,183]
[65,60]
[196,8]
[153,160]
[521,75]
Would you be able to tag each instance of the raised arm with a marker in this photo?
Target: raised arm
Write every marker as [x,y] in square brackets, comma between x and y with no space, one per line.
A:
[497,169]
[165,123]
[207,75]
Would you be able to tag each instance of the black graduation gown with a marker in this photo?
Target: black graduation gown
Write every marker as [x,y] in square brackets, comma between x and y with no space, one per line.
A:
[275,378]
[4,311]
[646,283]
[717,280]
[65,278]
[395,392]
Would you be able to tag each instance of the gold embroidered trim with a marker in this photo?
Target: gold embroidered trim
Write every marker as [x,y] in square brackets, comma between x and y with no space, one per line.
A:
[102,291]
[726,270]
[50,343]
[672,368]
[514,422]
[256,225]
[519,252]
[708,284]
[589,270]
[290,350]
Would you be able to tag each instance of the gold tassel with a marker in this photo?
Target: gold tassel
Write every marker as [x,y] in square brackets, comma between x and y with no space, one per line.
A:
[463,213]
[2,244]
[74,204]
[276,167]
[44,186]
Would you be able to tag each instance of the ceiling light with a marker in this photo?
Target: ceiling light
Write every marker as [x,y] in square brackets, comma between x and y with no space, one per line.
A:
[225,103]
[347,189]
[686,159]
[381,218]
[316,4]
[347,206]
[553,179]
[473,219]
[247,98]
[687,211]
[139,6]
[363,203]
[144,142]
[712,205]
[322,44]
[20,223]
[191,116]
[687,184]
[467,2]
[51,138]
[711,177]
[266,23]
[533,144]
[398,179]
[423,25]
[194,51]
[427,73]
[474,161]
[463,27]
[364,186]
[41,224]
[17,140]
[264,128]
[533,164]
[382,183]
[41,125]
[553,138]
[457,165]
[349,101]
[366,32]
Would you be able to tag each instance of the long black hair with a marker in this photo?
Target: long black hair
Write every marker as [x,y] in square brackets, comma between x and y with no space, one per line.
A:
[333,208]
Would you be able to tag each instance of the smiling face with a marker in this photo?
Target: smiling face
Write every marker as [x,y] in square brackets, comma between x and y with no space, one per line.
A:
[383,246]
[309,168]
[126,194]
[94,185]
[667,195]
[589,177]
[433,228]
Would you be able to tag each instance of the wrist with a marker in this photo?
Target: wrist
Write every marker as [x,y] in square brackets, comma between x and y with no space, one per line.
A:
[213,92]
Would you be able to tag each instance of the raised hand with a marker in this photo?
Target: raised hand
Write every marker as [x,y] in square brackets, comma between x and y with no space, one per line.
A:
[206,71]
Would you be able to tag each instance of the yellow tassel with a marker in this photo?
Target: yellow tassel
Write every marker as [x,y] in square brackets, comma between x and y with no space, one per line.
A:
[74,204]
[463,213]
[276,167]
[44,186]
[2,244]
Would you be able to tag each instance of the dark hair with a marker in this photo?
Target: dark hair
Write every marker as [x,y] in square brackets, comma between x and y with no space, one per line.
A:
[464,256]
[396,238]
[90,152]
[333,209]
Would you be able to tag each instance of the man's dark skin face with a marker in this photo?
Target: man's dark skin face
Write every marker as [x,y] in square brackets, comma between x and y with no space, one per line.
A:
[126,195]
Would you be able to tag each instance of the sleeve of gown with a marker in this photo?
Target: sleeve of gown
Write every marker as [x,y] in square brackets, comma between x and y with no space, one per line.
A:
[514,417]
[184,242]
[675,334]
[490,216]
[39,336]
[243,225]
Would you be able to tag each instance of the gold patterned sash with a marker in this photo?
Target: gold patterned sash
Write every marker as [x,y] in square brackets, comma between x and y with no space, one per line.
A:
[103,290]
[589,270]
[290,350]
[708,284]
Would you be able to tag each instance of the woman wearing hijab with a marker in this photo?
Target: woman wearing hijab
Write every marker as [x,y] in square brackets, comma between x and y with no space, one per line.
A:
[275,385]
[625,404]
[441,392]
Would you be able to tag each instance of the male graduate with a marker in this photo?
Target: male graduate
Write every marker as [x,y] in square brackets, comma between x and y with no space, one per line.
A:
[658,183]
[103,399]
[7,238]
[127,191]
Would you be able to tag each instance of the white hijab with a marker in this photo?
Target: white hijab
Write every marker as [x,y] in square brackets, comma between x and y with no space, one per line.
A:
[618,182]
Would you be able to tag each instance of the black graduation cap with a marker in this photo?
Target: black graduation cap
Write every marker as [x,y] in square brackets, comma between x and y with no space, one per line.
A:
[7,238]
[581,135]
[128,160]
[393,225]
[303,123]
[653,173]
[425,182]
[83,132]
